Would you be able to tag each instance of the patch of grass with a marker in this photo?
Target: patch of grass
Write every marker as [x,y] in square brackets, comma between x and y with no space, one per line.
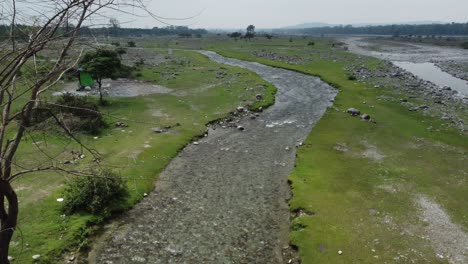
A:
[364,205]
[202,91]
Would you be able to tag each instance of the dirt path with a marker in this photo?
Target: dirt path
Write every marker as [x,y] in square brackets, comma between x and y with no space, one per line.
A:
[225,199]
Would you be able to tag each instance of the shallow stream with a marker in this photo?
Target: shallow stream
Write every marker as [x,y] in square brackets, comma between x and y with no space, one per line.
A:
[224,199]
[430,72]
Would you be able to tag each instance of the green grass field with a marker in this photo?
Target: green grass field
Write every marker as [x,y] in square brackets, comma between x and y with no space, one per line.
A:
[356,181]
[136,152]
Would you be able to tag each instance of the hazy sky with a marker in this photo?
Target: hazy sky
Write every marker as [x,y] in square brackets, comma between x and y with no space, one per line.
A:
[279,13]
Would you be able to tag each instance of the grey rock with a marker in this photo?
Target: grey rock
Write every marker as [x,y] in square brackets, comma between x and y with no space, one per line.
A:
[353,111]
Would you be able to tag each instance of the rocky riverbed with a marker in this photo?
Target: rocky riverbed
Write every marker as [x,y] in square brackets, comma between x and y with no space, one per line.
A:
[224,198]
[424,96]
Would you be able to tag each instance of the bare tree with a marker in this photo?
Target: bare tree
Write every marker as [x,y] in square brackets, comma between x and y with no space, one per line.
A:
[50,26]
[48,31]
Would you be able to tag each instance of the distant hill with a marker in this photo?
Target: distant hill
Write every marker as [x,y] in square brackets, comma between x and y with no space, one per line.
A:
[310,25]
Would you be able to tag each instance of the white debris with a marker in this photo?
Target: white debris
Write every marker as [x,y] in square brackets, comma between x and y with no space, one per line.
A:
[340,252]
[36,256]
[60,200]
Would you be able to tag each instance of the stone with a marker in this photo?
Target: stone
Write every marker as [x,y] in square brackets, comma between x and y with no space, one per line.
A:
[353,111]
[87,88]
[340,252]
[446,88]
[35,257]
[258,97]
[60,200]
[120,124]
[10,258]
[446,118]
[196,143]
[365,117]
[240,109]
[81,156]
[241,128]
[158,130]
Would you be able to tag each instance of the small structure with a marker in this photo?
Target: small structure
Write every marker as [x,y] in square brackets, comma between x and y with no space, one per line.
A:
[85,79]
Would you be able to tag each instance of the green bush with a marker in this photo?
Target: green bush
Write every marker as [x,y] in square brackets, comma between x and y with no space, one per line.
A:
[311,43]
[465,45]
[79,113]
[352,78]
[131,44]
[97,195]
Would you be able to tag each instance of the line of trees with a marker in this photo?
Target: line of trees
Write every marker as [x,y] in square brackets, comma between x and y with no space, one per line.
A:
[114,31]
[453,29]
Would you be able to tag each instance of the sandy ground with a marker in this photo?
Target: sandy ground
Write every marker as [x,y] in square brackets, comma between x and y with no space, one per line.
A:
[224,199]
[119,88]
[448,239]
[399,51]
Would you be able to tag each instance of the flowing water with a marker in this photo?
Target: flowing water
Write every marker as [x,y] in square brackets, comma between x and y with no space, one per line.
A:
[225,199]
[430,72]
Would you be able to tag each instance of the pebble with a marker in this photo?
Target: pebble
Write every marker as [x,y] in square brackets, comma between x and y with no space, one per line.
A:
[340,252]
[196,143]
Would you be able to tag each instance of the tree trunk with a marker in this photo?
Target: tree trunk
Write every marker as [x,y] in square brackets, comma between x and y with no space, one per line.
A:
[101,102]
[8,220]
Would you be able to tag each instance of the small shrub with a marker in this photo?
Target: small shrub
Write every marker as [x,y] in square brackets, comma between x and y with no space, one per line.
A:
[97,195]
[352,78]
[117,44]
[79,113]
[131,44]
[465,45]
[311,43]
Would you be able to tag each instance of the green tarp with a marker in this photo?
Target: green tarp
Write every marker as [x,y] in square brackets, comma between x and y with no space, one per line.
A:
[86,79]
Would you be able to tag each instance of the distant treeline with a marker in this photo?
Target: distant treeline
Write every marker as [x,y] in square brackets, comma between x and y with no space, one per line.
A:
[22,31]
[392,30]
[139,32]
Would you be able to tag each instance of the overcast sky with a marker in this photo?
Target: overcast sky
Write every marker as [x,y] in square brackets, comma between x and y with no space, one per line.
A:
[279,13]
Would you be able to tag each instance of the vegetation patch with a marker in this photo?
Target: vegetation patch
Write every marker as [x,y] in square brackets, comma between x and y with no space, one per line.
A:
[200,94]
[97,194]
[365,209]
